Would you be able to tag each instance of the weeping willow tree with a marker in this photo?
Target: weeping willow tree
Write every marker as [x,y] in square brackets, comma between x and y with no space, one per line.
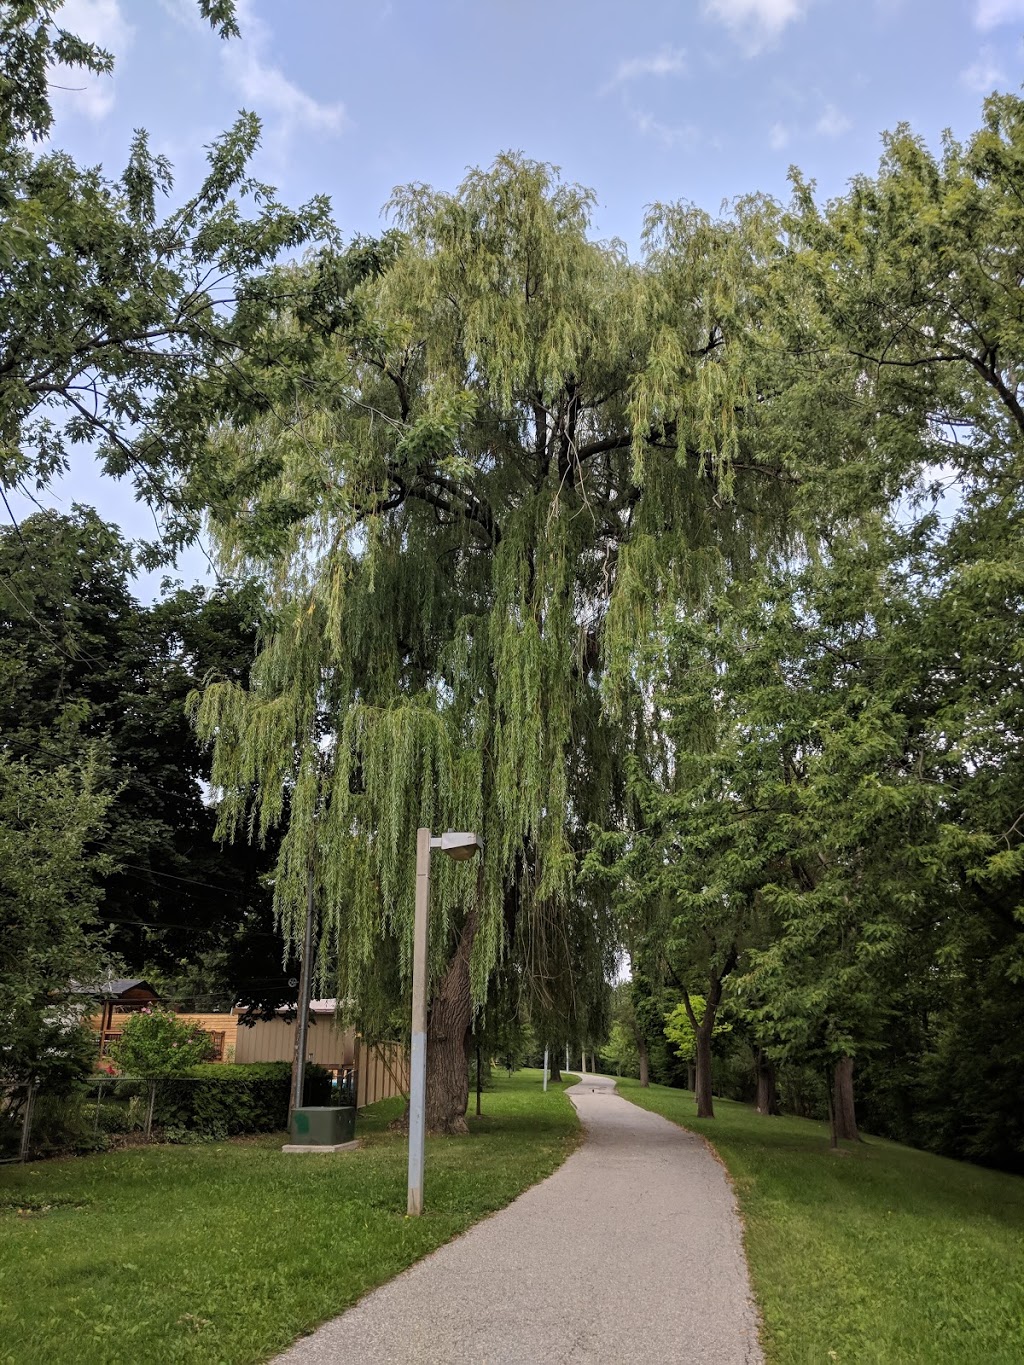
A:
[481,451]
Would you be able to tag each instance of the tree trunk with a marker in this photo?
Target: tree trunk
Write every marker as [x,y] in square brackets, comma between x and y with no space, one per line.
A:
[641,1047]
[703,1031]
[593,1064]
[702,1089]
[554,1071]
[842,1101]
[479,1080]
[449,1036]
[767,1098]
[691,1076]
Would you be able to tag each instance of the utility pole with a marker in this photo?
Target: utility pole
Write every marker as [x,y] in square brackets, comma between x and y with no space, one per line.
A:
[302,1008]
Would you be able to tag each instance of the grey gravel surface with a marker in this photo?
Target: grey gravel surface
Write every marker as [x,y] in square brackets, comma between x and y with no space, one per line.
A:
[631,1251]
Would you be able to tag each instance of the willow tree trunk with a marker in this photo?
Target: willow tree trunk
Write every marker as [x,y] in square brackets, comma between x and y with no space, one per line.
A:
[554,1071]
[645,1067]
[449,1037]
[702,1089]
[767,1097]
[842,1101]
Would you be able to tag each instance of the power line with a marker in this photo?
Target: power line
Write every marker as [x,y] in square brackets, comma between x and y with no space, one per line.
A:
[175,924]
[191,881]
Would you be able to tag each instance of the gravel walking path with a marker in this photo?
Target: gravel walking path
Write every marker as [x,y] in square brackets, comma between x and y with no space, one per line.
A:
[631,1251]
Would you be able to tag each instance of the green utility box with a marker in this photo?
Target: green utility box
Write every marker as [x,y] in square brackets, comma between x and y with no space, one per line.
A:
[323,1126]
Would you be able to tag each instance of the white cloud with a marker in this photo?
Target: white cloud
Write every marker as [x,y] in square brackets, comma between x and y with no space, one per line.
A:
[267,88]
[755,21]
[778,136]
[669,135]
[985,74]
[670,61]
[991,13]
[96,21]
[186,12]
[833,122]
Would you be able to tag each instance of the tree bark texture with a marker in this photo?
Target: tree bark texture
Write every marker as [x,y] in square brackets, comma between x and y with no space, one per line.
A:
[767,1098]
[843,1103]
[702,1089]
[645,1066]
[449,1036]
[554,1070]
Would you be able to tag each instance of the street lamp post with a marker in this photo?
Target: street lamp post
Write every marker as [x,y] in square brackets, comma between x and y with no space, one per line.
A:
[460,847]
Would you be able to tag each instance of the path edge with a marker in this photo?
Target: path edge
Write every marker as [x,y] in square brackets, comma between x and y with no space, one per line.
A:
[740,1216]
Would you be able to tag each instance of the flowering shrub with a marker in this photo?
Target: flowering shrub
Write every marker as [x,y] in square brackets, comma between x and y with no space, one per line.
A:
[155,1042]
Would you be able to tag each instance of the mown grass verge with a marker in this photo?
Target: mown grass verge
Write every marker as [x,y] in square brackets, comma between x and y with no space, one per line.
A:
[230,1251]
[881,1255]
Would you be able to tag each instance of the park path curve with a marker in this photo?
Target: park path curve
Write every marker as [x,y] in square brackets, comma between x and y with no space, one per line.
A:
[630,1251]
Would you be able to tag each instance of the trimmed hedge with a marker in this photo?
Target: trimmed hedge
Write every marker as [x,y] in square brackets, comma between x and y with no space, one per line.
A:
[222,1100]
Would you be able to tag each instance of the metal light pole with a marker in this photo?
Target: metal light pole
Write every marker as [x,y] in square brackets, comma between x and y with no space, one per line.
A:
[460,847]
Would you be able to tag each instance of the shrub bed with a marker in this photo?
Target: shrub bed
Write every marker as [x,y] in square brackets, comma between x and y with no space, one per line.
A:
[216,1101]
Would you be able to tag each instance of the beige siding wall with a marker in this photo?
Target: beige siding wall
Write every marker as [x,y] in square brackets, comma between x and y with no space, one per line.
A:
[273,1040]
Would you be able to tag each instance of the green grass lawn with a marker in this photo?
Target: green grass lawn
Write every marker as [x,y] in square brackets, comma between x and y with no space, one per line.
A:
[880,1254]
[230,1251]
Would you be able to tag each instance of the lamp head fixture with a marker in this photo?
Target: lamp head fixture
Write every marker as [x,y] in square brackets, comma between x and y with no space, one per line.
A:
[459,846]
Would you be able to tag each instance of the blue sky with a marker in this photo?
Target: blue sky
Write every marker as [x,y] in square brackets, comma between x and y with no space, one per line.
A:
[645,101]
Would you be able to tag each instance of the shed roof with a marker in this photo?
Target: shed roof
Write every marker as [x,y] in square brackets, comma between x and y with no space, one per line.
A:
[112,989]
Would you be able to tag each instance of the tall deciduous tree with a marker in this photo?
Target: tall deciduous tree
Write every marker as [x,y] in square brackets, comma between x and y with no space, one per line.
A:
[112,314]
[507,438]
